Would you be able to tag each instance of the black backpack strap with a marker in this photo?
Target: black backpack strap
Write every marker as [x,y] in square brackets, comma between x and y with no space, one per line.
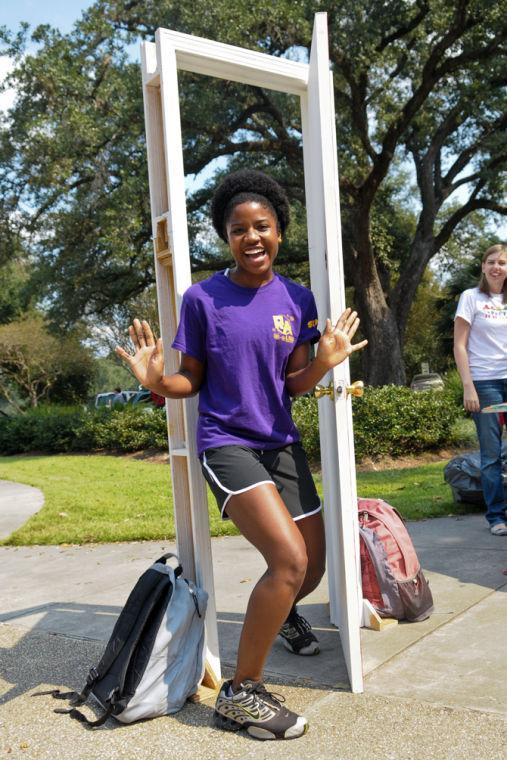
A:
[79,716]
[56,693]
[76,715]
[75,697]
[138,606]
[143,597]
[177,570]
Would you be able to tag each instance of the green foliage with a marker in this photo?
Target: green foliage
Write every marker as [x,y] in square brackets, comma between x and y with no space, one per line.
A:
[414,82]
[305,413]
[126,429]
[454,388]
[391,420]
[110,373]
[45,428]
[36,364]
[423,337]
[14,293]
[54,429]
[394,420]
[464,434]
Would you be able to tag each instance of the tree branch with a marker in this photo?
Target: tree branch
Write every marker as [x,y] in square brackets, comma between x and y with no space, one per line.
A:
[403,30]
[497,161]
[429,77]
[473,204]
[465,156]
[357,103]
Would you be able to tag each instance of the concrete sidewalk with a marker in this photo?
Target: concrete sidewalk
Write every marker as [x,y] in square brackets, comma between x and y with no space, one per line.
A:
[432,689]
[17,503]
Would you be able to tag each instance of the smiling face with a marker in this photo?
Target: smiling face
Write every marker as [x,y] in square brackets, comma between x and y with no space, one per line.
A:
[494,268]
[253,237]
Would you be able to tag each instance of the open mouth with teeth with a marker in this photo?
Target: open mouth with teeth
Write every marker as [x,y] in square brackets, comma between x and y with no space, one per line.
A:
[255,254]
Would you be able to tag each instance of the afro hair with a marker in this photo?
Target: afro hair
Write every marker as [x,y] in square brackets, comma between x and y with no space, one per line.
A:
[248,185]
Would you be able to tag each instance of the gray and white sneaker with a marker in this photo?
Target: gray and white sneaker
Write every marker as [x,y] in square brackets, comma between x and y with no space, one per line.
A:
[258,711]
[297,635]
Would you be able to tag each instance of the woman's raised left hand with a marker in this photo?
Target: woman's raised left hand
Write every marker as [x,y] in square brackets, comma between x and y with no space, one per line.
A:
[335,343]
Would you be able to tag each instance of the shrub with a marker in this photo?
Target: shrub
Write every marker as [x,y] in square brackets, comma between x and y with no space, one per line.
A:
[454,387]
[306,416]
[128,429]
[56,429]
[45,428]
[389,420]
[394,420]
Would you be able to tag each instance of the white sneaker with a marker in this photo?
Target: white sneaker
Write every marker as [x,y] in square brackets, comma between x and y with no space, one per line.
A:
[499,529]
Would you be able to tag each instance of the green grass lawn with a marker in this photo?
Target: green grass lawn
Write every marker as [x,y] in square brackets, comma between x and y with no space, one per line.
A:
[416,492]
[93,499]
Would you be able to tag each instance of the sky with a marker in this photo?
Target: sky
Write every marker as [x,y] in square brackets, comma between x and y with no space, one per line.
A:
[59,13]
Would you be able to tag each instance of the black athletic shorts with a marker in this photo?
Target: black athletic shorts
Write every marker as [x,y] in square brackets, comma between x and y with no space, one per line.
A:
[230,470]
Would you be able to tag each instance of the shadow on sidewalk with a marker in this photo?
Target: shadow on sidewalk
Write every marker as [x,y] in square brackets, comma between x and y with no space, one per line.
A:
[57,642]
[65,639]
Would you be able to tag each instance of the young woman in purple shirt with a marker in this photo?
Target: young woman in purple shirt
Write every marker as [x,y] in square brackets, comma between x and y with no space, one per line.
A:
[245,337]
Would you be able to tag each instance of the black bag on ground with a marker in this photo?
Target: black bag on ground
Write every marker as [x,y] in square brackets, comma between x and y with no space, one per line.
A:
[463,475]
[154,659]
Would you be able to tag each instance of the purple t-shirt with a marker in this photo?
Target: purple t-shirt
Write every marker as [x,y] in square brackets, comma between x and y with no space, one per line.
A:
[245,336]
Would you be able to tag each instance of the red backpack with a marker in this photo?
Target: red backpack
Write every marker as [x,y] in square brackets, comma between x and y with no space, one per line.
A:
[391,575]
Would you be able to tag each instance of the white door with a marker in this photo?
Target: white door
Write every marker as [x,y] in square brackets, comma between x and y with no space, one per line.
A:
[335,414]
[313,84]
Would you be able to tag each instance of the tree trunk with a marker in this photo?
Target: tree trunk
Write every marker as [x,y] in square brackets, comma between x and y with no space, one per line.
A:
[383,356]
[404,293]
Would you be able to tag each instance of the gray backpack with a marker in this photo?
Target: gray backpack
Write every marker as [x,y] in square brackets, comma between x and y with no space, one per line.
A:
[155,657]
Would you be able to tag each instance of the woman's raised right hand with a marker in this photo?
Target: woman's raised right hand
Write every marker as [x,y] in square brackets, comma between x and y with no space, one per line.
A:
[147,363]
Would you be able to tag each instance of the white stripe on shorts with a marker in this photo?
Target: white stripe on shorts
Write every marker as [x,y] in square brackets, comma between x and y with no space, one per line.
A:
[242,490]
[228,490]
[307,514]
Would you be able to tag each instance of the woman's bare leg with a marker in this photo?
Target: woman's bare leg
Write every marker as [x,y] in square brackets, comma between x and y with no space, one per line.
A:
[263,519]
[312,530]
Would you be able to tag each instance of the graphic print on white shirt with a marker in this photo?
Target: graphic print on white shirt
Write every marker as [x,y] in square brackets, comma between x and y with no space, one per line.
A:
[487,342]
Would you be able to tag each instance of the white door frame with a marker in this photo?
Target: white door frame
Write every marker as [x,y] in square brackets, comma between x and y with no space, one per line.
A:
[313,84]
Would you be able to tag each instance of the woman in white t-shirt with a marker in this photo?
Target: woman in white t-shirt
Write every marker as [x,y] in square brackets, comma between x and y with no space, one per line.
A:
[480,350]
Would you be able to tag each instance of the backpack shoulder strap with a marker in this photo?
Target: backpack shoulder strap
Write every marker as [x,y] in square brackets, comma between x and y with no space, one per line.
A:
[138,607]
[130,623]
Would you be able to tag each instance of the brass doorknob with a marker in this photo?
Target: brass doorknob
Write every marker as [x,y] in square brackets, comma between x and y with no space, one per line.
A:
[324,390]
[356,389]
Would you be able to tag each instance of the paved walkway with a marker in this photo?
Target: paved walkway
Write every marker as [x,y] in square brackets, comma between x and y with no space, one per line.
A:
[432,690]
[17,503]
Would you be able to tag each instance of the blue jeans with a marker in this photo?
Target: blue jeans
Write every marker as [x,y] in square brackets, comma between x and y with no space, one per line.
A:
[489,432]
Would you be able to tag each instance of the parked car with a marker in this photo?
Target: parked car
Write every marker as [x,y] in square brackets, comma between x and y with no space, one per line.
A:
[106,399]
[427,382]
[148,398]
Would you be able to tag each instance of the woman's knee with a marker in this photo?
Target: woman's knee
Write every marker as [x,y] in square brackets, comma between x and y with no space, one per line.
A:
[290,565]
